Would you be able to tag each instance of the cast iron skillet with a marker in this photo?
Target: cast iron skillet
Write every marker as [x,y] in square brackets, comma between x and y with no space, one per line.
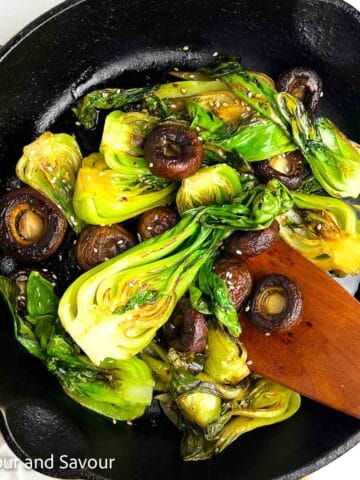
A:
[88,43]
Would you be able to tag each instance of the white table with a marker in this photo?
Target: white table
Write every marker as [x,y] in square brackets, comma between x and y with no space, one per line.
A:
[14,14]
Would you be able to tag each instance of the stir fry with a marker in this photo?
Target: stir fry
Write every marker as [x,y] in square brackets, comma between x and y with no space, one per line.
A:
[125,270]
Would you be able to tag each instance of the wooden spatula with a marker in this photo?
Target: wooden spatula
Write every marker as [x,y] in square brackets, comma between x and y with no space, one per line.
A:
[320,357]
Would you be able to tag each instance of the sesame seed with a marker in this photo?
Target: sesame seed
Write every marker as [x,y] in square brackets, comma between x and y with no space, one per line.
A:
[215,54]
[217,104]
[319,227]
[238,252]
[249,362]
[54,276]
[247,308]
[197,129]
[183,90]
[191,76]
[129,423]
[151,164]
[321,94]
[53,284]
[267,334]
[120,242]
[45,270]
[106,259]
[114,421]
[200,139]
[173,105]
[186,48]
[249,94]
[149,228]
[53,180]
[118,90]
[131,284]
[105,94]
[176,69]
[95,250]
[248,109]
[225,104]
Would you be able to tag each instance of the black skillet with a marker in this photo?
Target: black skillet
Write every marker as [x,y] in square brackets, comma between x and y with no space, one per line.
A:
[86,43]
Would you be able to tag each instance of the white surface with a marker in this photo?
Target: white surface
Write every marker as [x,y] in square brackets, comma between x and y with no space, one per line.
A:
[14,14]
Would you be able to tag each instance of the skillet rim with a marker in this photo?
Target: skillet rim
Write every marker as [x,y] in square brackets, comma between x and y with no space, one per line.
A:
[319,462]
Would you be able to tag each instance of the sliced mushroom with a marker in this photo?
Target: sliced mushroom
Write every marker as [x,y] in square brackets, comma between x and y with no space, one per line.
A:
[237,277]
[289,168]
[97,244]
[156,221]
[276,304]
[173,152]
[249,244]
[187,330]
[304,84]
[31,226]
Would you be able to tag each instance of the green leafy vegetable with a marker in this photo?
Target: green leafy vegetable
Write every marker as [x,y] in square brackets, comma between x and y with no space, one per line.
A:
[118,389]
[226,359]
[268,402]
[167,264]
[325,230]
[109,98]
[104,196]
[122,140]
[218,298]
[217,184]
[334,159]
[50,165]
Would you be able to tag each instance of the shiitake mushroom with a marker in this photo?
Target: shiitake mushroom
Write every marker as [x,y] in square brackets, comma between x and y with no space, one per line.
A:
[97,244]
[237,277]
[275,304]
[31,226]
[289,168]
[187,330]
[156,221]
[250,244]
[173,152]
[304,84]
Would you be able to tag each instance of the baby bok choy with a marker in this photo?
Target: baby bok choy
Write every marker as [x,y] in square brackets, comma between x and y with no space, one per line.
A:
[50,165]
[118,185]
[221,401]
[333,158]
[119,389]
[325,230]
[116,308]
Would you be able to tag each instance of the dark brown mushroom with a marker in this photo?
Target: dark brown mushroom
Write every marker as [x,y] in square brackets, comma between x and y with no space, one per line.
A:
[250,244]
[156,221]
[31,226]
[276,304]
[173,152]
[187,330]
[237,277]
[97,244]
[304,84]
[288,168]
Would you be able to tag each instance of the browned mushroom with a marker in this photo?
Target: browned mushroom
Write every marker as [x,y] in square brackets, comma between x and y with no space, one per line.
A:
[304,84]
[31,226]
[250,244]
[237,277]
[173,152]
[276,304]
[156,221]
[187,330]
[97,244]
[288,168]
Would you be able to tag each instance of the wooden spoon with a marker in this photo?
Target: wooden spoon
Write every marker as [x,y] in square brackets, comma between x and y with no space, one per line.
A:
[320,357]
